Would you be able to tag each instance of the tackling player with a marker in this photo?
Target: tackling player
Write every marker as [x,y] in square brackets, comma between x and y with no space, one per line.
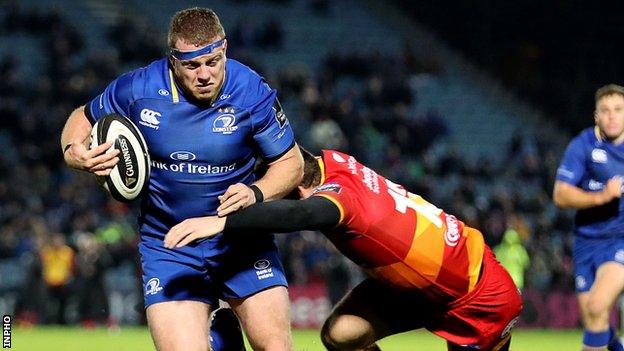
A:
[589,180]
[206,119]
[427,269]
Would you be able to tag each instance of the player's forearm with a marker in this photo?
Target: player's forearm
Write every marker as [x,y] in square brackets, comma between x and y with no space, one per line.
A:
[315,213]
[569,196]
[282,176]
[77,128]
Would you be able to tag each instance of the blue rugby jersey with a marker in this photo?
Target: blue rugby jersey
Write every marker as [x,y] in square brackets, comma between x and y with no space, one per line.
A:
[197,151]
[588,163]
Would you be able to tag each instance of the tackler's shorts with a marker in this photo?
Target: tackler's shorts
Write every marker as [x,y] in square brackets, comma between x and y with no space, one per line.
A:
[484,318]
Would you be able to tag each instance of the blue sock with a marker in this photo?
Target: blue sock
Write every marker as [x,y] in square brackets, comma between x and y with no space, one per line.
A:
[597,340]
[225,331]
[216,341]
[614,341]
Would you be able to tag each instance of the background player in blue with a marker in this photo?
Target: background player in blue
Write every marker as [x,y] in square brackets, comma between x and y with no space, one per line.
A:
[205,119]
[589,179]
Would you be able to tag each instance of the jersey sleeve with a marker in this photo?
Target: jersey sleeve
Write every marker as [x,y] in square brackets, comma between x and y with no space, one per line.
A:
[341,197]
[272,131]
[116,98]
[572,165]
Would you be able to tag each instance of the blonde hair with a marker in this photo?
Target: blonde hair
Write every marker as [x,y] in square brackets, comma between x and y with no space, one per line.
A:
[197,26]
[611,89]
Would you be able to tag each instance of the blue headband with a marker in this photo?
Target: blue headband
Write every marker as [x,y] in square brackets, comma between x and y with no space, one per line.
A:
[188,55]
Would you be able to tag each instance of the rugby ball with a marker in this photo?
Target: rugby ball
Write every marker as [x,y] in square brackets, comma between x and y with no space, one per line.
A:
[130,176]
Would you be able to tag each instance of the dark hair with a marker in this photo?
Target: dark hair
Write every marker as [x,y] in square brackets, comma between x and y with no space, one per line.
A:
[197,26]
[611,89]
[311,169]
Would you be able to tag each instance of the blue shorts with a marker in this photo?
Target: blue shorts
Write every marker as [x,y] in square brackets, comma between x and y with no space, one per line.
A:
[589,254]
[217,268]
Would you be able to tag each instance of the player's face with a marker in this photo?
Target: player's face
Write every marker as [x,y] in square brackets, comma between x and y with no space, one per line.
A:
[609,116]
[202,76]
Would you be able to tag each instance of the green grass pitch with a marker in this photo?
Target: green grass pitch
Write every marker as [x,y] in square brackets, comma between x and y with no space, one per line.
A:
[138,339]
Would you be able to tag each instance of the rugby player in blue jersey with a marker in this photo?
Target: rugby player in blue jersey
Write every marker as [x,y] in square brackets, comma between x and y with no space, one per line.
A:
[206,119]
[589,180]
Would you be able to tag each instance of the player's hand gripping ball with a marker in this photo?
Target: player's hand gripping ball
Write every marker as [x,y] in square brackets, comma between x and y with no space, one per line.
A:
[130,176]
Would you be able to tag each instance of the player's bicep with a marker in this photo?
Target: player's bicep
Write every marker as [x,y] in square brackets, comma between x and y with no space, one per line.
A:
[77,128]
[324,212]
[333,206]
[272,131]
[342,198]
[564,193]
[561,189]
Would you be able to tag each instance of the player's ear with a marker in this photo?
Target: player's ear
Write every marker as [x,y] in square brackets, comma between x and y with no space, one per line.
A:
[304,193]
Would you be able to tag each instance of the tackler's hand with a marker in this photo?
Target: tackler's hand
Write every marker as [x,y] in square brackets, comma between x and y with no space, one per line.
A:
[192,229]
[236,197]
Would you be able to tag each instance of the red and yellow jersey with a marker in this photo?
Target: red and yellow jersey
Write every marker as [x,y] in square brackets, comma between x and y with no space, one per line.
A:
[398,236]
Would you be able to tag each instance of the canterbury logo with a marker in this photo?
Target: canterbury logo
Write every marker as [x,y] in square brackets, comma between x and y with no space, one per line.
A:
[452,235]
[149,118]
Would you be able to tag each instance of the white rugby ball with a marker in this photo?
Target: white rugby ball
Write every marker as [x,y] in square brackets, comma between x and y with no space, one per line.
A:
[130,176]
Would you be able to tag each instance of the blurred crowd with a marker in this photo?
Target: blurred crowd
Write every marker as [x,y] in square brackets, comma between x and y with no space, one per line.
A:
[61,236]
[528,58]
